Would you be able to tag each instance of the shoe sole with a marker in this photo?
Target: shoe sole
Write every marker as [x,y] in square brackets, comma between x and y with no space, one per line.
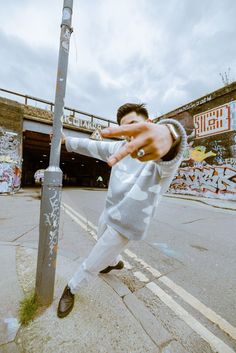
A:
[119,266]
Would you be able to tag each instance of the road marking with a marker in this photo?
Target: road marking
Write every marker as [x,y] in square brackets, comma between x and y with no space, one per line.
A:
[187,297]
[128,266]
[152,270]
[216,344]
[141,277]
[82,218]
[203,309]
[79,219]
[81,224]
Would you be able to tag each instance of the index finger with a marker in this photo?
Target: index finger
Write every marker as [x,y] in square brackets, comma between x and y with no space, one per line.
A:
[124,130]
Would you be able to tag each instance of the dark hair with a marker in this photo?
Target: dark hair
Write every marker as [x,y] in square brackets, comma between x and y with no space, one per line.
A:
[127,108]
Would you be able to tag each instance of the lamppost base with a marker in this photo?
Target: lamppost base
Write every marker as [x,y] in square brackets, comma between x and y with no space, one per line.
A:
[48,235]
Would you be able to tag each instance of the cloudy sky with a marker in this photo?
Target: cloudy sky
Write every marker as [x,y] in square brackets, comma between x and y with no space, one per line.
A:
[164,53]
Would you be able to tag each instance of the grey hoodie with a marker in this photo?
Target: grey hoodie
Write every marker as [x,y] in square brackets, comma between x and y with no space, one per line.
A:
[135,187]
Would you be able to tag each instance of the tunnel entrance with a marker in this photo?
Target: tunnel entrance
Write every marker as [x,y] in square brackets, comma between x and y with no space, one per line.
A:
[78,170]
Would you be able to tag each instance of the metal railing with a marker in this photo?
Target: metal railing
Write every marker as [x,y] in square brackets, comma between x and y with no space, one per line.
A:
[72,112]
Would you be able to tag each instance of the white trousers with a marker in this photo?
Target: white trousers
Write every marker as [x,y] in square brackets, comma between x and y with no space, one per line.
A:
[106,252]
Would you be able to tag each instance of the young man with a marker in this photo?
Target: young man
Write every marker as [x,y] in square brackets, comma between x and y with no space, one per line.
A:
[134,190]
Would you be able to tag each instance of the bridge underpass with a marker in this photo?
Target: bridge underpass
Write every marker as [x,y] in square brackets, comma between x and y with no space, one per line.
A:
[77,170]
[30,120]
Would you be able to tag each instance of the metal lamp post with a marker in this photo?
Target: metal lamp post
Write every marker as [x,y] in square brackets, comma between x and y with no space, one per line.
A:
[51,195]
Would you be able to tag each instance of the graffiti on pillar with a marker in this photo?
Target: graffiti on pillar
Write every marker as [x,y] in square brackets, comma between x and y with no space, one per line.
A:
[209,164]
[10,161]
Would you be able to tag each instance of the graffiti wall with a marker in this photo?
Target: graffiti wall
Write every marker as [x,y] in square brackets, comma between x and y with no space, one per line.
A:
[209,165]
[206,180]
[10,161]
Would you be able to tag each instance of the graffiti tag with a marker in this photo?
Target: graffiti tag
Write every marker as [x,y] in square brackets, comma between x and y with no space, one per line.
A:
[205,179]
[52,219]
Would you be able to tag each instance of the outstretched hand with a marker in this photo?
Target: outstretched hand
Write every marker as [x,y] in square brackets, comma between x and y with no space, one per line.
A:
[155,141]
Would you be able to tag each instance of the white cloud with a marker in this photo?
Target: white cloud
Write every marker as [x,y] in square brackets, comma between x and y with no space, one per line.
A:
[162,53]
[34,22]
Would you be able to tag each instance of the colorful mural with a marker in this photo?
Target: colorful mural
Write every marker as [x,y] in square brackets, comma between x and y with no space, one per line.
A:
[10,161]
[207,180]
[209,165]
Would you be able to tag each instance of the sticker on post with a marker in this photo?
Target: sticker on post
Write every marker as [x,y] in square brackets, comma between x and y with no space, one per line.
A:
[66,14]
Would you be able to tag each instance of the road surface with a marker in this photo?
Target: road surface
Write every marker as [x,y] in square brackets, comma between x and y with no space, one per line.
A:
[184,271]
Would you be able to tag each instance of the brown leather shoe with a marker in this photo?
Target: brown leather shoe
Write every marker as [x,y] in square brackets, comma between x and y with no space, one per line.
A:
[66,303]
[119,266]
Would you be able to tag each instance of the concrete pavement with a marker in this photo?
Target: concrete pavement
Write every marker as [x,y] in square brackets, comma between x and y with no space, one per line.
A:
[217,203]
[107,316]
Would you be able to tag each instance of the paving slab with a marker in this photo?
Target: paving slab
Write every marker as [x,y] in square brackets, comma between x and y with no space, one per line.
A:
[148,321]
[174,347]
[10,294]
[10,348]
[99,322]
[177,328]
[20,219]
[116,284]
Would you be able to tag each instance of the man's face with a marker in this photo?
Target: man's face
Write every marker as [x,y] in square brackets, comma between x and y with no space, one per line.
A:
[132,118]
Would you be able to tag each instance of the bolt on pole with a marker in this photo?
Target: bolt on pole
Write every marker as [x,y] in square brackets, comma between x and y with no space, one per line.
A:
[52,186]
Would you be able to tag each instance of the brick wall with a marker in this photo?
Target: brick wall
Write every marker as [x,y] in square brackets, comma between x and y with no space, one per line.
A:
[11,115]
